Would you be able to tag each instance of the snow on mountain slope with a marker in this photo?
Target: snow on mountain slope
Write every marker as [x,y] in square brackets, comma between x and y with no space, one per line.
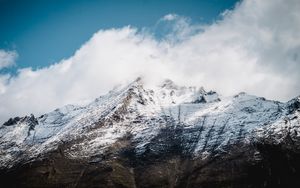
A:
[200,122]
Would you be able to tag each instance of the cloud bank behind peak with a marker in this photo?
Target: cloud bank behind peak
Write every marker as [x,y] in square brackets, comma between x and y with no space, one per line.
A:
[254,48]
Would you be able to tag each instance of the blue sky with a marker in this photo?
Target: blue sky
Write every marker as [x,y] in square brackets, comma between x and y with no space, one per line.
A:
[46,31]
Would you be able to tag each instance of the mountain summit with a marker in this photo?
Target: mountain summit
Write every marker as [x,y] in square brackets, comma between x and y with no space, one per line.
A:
[165,136]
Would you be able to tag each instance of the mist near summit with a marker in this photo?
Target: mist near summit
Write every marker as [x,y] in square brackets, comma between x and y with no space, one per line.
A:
[253,48]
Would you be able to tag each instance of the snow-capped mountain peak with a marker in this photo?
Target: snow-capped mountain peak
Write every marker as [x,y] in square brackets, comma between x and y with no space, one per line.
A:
[202,123]
[134,129]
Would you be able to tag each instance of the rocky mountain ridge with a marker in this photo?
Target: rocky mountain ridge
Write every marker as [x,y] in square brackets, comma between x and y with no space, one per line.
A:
[166,136]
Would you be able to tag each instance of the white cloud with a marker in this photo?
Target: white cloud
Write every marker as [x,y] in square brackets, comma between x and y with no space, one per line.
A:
[175,28]
[7,58]
[170,17]
[254,48]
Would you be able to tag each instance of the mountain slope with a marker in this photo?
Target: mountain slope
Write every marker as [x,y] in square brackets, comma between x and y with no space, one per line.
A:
[165,136]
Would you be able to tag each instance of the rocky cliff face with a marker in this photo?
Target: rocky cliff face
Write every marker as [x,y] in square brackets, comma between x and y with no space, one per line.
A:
[165,136]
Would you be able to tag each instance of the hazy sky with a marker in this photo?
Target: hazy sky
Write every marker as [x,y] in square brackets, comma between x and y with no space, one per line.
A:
[66,58]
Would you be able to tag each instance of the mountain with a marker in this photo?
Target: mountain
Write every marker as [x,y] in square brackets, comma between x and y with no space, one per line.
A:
[162,136]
